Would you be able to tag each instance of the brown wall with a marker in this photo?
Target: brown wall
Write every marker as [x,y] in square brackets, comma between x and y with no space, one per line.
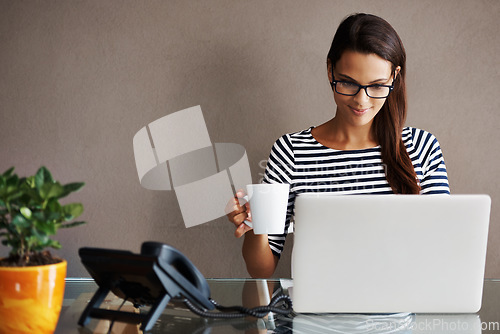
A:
[79,78]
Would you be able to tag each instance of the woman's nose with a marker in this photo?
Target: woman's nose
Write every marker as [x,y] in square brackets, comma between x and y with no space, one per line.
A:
[361,97]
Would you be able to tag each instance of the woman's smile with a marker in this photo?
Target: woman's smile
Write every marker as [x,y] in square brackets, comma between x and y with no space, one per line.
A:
[359,111]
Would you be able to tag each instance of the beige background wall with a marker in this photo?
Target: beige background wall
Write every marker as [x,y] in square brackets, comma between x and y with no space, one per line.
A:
[79,78]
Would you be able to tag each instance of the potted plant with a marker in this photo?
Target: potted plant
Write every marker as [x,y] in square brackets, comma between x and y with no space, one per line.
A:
[31,278]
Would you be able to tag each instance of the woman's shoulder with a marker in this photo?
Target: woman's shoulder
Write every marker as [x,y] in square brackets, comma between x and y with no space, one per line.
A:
[306,133]
[418,138]
[293,138]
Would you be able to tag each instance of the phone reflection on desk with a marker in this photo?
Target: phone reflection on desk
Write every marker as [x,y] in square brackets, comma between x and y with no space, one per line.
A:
[178,319]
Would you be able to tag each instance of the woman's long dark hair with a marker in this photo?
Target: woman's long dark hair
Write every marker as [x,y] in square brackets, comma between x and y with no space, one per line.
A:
[371,34]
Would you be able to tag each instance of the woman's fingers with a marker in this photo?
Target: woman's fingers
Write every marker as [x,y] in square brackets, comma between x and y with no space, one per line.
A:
[234,204]
[239,217]
[233,207]
[240,193]
[237,213]
[242,229]
[247,209]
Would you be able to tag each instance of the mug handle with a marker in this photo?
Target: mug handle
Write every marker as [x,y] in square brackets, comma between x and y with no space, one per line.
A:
[247,223]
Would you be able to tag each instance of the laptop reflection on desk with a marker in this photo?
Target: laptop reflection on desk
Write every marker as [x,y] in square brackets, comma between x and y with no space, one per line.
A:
[398,323]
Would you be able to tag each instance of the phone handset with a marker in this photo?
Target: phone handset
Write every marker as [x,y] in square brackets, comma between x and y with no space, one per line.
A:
[181,270]
[190,283]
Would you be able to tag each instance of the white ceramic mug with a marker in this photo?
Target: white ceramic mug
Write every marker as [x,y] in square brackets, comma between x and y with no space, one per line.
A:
[268,203]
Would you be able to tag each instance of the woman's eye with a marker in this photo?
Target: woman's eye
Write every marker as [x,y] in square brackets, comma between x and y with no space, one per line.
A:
[377,87]
[348,84]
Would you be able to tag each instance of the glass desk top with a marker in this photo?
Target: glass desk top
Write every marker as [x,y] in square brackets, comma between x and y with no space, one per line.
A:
[176,318]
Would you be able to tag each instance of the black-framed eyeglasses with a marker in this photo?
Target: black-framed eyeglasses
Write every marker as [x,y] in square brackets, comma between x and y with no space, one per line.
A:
[375,91]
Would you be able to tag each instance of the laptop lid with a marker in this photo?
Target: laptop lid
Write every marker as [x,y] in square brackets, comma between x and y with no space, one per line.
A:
[387,254]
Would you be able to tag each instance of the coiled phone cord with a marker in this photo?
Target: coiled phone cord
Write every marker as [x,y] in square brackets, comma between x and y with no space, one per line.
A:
[241,312]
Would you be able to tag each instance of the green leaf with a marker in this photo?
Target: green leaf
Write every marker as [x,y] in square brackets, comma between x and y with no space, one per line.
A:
[39,215]
[20,222]
[46,227]
[39,235]
[51,190]
[12,182]
[53,205]
[26,212]
[37,241]
[8,172]
[42,177]
[73,224]
[72,210]
[27,186]
[72,187]
[30,182]
[54,244]
[9,185]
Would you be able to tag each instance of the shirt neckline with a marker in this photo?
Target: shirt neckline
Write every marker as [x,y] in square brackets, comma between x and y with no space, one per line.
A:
[309,132]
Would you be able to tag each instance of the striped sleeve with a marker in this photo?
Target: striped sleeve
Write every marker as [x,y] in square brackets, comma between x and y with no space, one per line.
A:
[280,169]
[433,176]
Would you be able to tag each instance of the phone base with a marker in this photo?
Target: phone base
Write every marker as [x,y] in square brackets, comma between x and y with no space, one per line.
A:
[146,320]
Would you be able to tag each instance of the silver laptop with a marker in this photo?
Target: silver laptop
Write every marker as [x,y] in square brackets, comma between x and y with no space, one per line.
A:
[388,254]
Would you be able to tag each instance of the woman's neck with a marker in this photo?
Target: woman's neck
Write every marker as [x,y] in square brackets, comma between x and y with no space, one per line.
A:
[341,136]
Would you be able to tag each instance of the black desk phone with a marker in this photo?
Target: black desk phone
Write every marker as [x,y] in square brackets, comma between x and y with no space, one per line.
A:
[152,278]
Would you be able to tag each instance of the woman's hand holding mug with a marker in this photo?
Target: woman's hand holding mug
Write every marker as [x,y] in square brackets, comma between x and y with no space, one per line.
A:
[237,213]
[269,202]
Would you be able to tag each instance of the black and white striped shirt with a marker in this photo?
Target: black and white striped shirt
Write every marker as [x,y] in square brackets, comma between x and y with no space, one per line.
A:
[308,166]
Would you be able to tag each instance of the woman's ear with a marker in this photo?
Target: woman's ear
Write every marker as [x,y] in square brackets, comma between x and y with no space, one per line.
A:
[329,70]
[396,72]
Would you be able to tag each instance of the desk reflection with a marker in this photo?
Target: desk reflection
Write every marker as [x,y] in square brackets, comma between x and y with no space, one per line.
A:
[251,293]
[176,318]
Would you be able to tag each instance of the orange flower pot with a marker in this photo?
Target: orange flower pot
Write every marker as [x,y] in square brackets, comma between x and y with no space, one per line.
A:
[31,298]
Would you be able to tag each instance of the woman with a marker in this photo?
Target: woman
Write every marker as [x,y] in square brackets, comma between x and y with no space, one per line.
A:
[364,149]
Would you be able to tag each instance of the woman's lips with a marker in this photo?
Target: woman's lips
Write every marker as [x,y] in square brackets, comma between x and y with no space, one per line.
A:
[359,112]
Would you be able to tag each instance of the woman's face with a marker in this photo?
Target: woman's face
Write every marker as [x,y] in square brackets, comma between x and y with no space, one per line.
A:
[362,69]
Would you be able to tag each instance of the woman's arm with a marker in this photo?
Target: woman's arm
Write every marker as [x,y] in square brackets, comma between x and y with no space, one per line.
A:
[259,259]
